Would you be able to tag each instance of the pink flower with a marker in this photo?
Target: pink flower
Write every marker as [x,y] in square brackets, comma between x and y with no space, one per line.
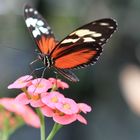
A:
[64,119]
[64,110]
[39,85]
[47,111]
[58,83]
[30,117]
[22,99]
[34,99]
[21,82]
[68,106]
[81,119]
[52,99]
[84,107]
[25,112]
[53,104]
[58,116]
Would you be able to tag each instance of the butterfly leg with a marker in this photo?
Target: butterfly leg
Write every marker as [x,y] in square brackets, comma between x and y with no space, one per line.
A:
[34,70]
[37,69]
[43,72]
[44,69]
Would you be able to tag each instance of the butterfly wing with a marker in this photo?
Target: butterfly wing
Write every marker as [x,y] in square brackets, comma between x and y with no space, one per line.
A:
[79,49]
[84,45]
[39,29]
[68,74]
[43,36]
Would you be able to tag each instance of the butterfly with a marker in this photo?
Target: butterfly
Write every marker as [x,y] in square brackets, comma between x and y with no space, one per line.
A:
[79,49]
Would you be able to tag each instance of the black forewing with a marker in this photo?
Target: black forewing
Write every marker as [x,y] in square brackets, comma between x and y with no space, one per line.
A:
[89,38]
[39,29]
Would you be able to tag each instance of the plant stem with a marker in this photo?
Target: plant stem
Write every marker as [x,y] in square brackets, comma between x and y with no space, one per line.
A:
[4,136]
[55,129]
[42,123]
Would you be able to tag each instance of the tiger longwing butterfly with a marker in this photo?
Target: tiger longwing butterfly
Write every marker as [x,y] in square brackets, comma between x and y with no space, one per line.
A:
[79,49]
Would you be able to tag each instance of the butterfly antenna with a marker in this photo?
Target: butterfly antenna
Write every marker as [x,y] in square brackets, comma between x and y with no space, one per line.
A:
[34,70]
[19,50]
[43,73]
[37,69]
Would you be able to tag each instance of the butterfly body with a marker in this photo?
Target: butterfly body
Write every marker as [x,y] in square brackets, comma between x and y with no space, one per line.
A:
[79,49]
[46,59]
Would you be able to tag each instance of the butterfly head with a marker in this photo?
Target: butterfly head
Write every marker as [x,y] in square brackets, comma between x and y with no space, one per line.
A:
[46,59]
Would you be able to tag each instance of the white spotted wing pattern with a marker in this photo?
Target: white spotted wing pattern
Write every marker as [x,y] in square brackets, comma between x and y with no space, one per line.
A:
[90,37]
[79,49]
[39,29]
[36,23]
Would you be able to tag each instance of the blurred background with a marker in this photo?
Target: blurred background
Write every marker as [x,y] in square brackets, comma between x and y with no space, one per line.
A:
[111,87]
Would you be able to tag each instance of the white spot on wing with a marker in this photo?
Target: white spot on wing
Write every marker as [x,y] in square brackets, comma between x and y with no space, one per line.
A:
[40,23]
[96,34]
[31,9]
[26,10]
[82,32]
[48,27]
[44,30]
[36,32]
[31,22]
[102,39]
[111,27]
[89,39]
[69,41]
[94,23]
[35,12]
[104,24]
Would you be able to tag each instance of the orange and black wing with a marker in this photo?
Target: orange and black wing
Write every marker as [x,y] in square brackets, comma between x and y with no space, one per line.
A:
[39,29]
[84,45]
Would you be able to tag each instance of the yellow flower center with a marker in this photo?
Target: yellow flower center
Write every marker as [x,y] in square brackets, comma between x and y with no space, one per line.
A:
[20,81]
[59,112]
[66,106]
[35,97]
[39,85]
[54,99]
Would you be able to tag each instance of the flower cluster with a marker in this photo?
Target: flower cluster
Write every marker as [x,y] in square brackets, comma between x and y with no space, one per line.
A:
[10,107]
[43,93]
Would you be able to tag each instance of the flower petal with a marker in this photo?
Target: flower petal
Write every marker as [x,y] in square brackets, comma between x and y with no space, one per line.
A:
[84,107]
[22,99]
[64,120]
[52,99]
[47,111]
[81,119]
[68,106]
[39,85]
[21,82]
[36,103]
[30,117]
[58,83]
